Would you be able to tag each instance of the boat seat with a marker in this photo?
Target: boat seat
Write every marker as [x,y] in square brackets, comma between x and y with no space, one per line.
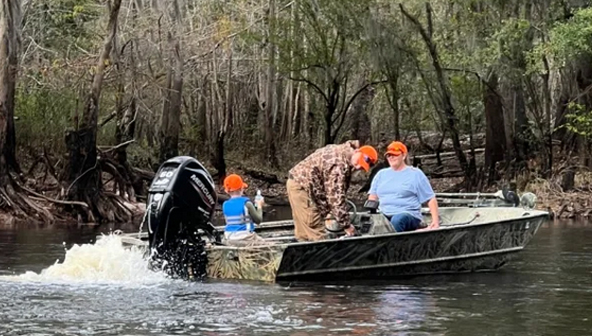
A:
[372,224]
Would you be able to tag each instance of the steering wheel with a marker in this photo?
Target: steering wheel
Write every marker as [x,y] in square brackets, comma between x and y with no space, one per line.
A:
[353,217]
[354,210]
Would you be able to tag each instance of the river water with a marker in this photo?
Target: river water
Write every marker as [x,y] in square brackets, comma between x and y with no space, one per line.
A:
[58,281]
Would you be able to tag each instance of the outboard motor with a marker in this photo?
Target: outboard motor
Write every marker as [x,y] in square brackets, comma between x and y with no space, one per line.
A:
[510,194]
[181,200]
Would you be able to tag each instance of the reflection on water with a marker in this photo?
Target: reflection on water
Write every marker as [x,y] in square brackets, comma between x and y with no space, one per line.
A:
[54,282]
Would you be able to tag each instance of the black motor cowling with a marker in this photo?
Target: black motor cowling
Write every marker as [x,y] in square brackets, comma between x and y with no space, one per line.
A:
[181,200]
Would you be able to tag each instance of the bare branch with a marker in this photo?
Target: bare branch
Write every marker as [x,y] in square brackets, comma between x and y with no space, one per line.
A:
[40,196]
[313,85]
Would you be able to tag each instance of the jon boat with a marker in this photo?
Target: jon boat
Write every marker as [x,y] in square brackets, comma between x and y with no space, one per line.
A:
[479,236]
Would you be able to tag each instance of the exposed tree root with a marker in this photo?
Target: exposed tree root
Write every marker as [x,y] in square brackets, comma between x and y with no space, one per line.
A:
[43,197]
[15,202]
[110,208]
[126,182]
[43,160]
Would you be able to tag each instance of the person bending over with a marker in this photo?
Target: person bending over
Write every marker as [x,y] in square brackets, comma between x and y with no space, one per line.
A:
[317,187]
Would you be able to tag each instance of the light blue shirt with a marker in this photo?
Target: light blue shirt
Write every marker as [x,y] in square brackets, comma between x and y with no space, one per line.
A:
[401,191]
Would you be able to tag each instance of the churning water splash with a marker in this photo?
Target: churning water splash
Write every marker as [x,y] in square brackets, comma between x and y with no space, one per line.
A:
[105,262]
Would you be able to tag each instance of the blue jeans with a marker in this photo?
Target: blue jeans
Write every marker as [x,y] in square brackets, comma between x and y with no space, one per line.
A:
[405,222]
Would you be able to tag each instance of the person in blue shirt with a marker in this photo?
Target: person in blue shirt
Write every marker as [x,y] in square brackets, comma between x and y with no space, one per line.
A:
[401,190]
[239,212]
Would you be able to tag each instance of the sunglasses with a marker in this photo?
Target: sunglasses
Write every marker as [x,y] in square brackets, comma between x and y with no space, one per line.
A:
[368,160]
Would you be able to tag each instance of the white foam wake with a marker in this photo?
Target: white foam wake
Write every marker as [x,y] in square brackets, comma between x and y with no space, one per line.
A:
[106,261]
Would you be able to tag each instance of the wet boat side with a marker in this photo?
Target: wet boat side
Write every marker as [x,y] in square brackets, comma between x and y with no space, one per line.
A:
[451,249]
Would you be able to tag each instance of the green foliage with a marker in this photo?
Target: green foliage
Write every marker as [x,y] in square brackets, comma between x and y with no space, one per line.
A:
[43,116]
[567,41]
[64,23]
[510,45]
[579,120]
[465,88]
[327,37]
[572,38]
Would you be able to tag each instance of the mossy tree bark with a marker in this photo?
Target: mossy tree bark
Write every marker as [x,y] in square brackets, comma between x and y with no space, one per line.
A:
[83,170]
[13,198]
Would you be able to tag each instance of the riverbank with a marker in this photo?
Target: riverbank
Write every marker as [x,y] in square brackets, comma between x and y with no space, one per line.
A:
[550,197]
[576,204]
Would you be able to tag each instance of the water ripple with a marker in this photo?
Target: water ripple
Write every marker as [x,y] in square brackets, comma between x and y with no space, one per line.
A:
[96,289]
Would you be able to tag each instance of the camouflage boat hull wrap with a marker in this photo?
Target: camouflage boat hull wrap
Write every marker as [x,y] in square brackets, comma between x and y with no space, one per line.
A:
[449,250]
[244,263]
[470,240]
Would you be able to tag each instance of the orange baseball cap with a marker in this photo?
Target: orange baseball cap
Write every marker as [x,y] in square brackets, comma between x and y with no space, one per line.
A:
[369,157]
[234,182]
[396,148]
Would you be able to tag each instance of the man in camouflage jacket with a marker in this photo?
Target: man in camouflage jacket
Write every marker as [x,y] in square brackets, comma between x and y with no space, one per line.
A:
[317,187]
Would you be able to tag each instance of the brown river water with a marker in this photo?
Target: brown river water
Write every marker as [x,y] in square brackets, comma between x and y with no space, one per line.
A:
[58,281]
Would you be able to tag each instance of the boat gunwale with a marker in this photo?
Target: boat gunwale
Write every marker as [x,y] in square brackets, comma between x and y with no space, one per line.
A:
[422,231]
[537,215]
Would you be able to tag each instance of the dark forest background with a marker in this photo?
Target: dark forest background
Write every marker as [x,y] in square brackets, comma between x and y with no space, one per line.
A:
[94,95]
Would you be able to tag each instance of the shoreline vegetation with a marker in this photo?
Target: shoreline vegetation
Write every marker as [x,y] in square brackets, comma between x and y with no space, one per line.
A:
[95,96]
[574,204]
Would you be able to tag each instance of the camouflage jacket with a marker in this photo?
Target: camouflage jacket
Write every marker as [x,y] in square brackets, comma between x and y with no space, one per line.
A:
[325,175]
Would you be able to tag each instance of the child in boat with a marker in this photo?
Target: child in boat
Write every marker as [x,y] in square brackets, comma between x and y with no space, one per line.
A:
[240,213]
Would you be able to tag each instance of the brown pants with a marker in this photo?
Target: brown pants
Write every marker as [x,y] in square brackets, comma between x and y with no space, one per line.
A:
[308,223]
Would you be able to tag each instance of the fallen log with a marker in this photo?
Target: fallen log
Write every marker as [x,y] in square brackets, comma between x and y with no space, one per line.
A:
[144,174]
[447,154]
[445,174]
[263,176]
[277,200]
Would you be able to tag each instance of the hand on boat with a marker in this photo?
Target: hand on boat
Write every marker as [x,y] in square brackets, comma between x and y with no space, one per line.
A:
[435,224]
[350,231]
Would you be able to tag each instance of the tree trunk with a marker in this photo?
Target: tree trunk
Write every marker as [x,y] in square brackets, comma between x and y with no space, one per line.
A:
[447,108]
[548,130]
[83,172]
[495,137]
[298,119]
[10,149]
[393,100]
[270,149]
[568,178]
[171,111]
[219,160]
[287,115]
[11,199]
[221,116]
[202,122]
[521,136]
[126,110]
[327,134]
[360,123]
